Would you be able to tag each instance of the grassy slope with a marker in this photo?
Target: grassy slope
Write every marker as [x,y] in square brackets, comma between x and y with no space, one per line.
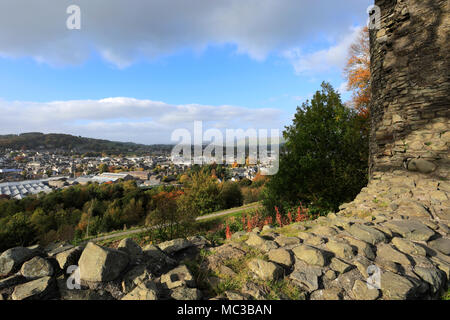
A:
[202,227]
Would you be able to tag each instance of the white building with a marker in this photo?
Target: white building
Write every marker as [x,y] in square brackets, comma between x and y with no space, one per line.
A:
[21,189]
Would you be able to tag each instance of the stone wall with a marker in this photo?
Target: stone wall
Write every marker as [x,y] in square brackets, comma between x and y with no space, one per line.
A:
[410,88]
[331,258]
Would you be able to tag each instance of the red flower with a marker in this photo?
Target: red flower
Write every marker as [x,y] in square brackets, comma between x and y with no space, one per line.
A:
[278,217]
[228,232]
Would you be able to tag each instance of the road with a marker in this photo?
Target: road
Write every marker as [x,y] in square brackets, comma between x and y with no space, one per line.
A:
[209,216]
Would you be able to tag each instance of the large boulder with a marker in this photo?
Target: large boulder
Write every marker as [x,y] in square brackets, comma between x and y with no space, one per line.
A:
[65,293]
[281,256]
[178,277]
[98,264]
[156,260]
[265,270]
[69,257]
[441,244]
[361,291]
[36,268]
[411,229]
[11,281]
[254,290]
[396,287]
[363,247]
[12,259]
[134,277]
[254,240]
[362,264]
[54,249]
[327,294]
[324,231]
[310,255]
[340,249]
[198,241]
[268,245]
[421,165]
[408,247]
[184,293]
[433,276]
[306,276]
[284,241]
[36,289]
[77,295]
[388,253]
[131,248]
[340,266]
[175,245]
[144,291]
[366,233]
[311,239]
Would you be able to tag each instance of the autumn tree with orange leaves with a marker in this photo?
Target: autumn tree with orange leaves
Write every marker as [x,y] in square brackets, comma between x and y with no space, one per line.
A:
[357,72]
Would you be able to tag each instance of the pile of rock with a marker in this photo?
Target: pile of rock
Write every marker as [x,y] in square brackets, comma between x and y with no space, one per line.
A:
[334,257]
[98,273]
[337,257]
[403,195]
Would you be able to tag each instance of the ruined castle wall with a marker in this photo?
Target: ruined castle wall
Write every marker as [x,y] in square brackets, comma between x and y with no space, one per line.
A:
[410,88]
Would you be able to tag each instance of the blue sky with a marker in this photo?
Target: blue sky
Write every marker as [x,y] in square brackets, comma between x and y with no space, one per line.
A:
[228,63]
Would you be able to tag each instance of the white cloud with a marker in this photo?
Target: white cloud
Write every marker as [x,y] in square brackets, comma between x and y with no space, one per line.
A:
[334,57]
[343,88]
[125,31]
[127,119]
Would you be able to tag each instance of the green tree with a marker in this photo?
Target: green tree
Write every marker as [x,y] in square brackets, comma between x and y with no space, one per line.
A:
[231,195]
[16,231]
[201,195]
[325,162]
[103,168]
[168,220]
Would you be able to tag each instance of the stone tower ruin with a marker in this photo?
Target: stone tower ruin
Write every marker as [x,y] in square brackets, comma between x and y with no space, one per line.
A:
[409,165]
[410,103]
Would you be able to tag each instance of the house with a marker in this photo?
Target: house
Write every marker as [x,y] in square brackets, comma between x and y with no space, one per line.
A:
[153,181]
[21,189]
[112,177]
[139,175]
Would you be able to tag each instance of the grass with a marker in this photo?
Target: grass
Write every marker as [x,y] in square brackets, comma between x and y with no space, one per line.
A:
[202,227]
[225,282]
[446,296]
[239,266]
[285,289]
[275,290]
[290,230]
[243,209]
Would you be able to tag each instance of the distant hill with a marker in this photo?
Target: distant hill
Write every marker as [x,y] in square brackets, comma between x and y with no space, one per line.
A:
[66,142]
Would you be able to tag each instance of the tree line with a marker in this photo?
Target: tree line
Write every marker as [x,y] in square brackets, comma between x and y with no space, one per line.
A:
[81,211]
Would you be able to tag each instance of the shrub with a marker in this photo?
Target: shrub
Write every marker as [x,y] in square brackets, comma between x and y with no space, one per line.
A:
[251,195]
[231,195]
[202,195]
[326,157]
[245,182]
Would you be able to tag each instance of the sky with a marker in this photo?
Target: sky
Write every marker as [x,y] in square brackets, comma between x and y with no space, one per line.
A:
[137,70]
